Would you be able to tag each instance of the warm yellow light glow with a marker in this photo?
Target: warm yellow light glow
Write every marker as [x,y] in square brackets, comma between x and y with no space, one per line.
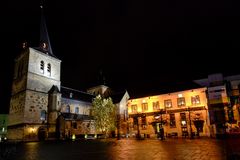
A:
[180,95]
[32,130]
[73,137]
[144,101]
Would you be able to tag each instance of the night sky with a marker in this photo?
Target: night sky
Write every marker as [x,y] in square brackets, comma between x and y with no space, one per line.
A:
[142,46]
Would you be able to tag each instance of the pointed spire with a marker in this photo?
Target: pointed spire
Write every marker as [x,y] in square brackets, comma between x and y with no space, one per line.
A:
[45,45]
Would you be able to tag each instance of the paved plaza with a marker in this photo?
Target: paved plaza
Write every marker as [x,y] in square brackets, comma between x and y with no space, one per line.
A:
[125,149]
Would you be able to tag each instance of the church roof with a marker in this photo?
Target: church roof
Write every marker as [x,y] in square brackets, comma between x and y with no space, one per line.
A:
[76,94]
[54,89]
[45,45]
[72,116]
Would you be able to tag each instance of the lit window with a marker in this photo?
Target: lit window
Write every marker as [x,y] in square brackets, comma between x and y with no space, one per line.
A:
[195,99]
[43,115]
[168,103]
[134,108]
[42,66]
[183,119]
[156,105]
[181,101]
[180,95]
[144,107]
[49,69]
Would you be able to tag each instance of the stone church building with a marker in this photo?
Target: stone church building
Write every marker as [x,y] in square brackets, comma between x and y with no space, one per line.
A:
[40,108]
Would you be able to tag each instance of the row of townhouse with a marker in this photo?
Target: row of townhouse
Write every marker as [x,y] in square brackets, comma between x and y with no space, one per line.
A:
[210,110]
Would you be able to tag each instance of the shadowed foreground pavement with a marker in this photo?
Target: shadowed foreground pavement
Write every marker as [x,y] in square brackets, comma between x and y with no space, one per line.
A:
[131,149]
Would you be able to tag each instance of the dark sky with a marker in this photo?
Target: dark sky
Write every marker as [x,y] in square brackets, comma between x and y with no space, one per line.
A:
[141,46]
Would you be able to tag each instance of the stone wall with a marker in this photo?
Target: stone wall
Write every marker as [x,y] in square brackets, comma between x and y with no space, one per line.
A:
[35,103]
[16,110]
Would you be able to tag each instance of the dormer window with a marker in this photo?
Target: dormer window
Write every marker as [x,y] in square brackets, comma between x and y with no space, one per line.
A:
[42,66]
[49,69]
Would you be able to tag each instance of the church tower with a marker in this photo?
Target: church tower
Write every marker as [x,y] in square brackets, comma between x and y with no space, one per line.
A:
[36,71]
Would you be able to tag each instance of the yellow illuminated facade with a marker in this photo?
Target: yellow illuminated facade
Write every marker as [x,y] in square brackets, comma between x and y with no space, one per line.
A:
[177,113]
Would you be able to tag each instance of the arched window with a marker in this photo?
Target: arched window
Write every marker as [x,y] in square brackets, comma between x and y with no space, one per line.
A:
[68,109]
[49,69]
[43,115]
[42,66]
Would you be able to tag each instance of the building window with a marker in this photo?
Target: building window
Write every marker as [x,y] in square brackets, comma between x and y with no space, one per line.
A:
[68,109]
[43,115]
[172,120]
[49,69]
[134,108]
[195,100]
[74,125]
[77,110]
[135,120]
[181,101]
[168,103]
[42,66]
[144,122]
[144,107]
[156,105]
[71,95]
[183,119]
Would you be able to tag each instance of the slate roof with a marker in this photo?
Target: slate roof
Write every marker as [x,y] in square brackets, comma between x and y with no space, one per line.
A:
[72,116]
[54,89]
[76,94]
[163,89]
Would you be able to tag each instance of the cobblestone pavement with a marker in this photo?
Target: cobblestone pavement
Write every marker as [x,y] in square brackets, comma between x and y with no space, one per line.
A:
[125,149]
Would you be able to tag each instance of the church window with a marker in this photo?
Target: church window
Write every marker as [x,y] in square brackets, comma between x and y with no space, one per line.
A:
[49,69]
[68,109]
[43,115]
[42,66]
[77,110]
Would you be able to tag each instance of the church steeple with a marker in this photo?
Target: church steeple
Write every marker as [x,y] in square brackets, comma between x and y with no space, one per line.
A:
[45,44]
